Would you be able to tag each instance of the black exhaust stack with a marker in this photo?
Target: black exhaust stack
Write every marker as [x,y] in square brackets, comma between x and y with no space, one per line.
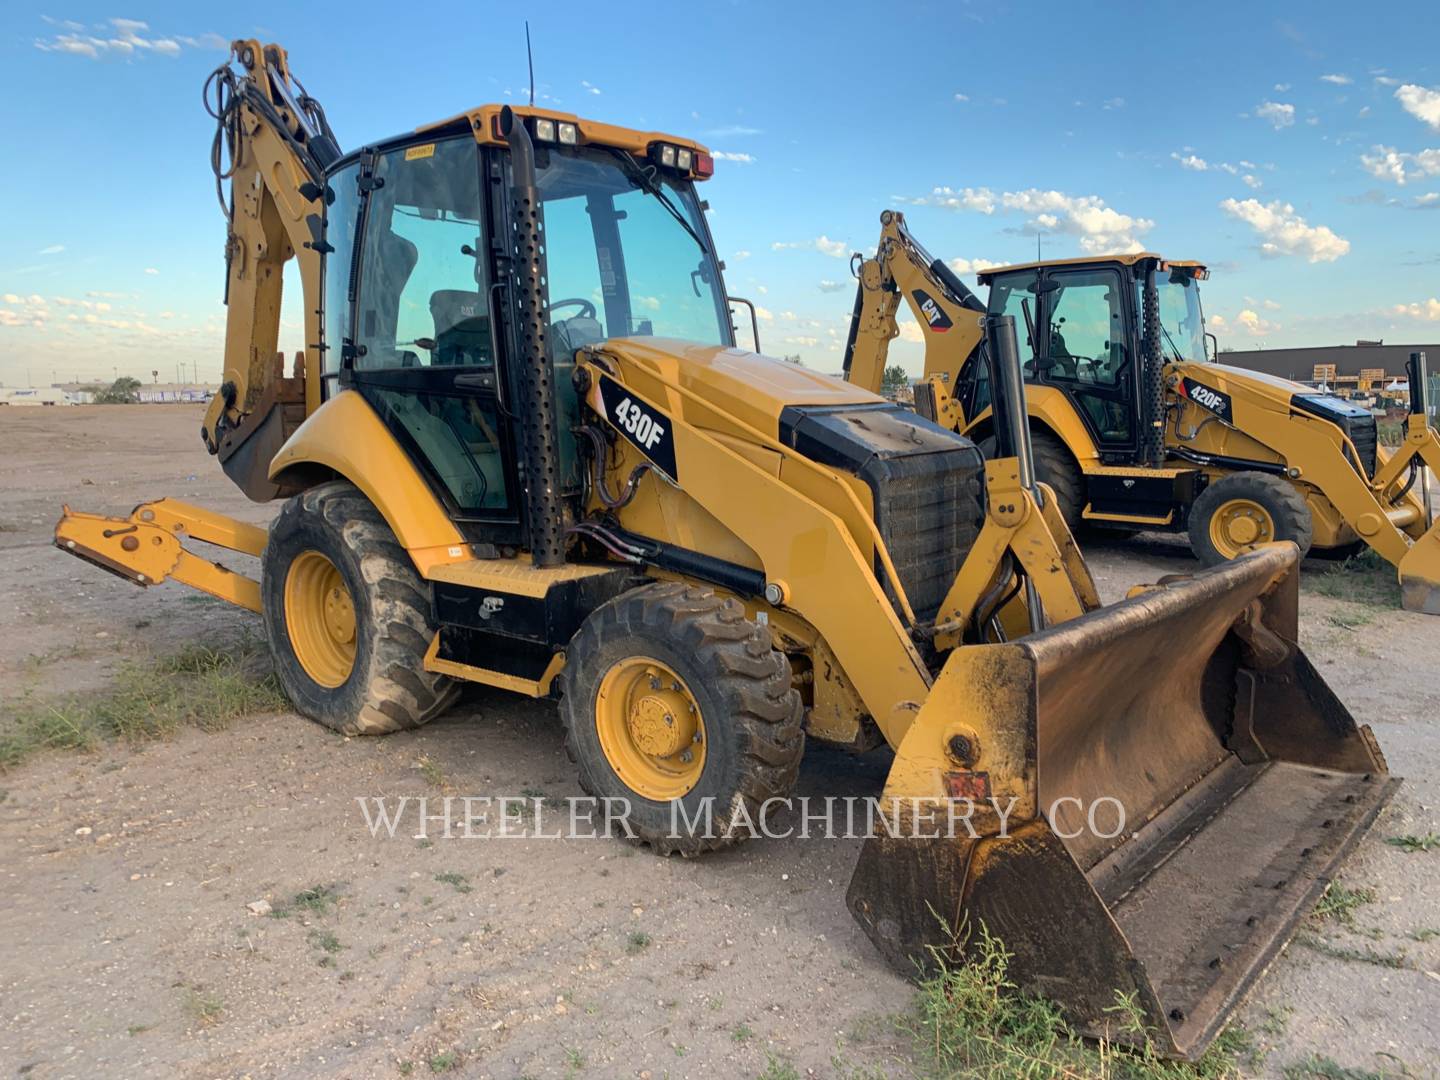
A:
[1152,384]
[540,454]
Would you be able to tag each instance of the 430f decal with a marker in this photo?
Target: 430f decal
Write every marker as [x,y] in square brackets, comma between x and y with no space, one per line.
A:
[647,428]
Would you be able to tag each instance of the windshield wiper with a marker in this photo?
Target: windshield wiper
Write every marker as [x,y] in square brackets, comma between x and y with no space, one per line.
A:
[1173,347]
[649,185]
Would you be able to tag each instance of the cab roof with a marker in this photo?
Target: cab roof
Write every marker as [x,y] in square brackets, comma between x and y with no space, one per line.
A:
[484,121]
[1124,258]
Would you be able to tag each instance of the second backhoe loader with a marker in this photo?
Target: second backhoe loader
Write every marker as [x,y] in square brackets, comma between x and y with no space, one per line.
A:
[521,449]
[1134,426]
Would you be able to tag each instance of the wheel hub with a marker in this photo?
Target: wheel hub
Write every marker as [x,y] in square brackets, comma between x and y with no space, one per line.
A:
[320,618]
[1240,524]
[650,728]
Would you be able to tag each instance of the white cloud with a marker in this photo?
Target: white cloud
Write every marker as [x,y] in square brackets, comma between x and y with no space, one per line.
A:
[909,328]
[981,200]
[836,249]
[1284,232]
[151,270]
[740,256]
[962,97]
[742,159]
[1252,181]
[123,38]
[1281,87]
[1278,113]
[1386,80]
[1113,103]
[53,249]
[1270,305]
[1098,227]
[828,286]
[1251,323]
[764,313]
[590,88]
[1337,80]
[1401,167]
[1420,102]
[1429,310]
[1430,198]
[1191,162]
[731,131]
[971,266]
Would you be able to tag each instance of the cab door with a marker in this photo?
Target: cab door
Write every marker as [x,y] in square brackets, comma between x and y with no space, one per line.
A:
[425,344]
[1084,350]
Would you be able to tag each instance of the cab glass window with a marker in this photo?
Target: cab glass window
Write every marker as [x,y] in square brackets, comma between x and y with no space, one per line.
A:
[424,294]
[1087,328]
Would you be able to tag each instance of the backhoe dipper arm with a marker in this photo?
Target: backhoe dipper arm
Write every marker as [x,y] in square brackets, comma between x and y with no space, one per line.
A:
[951,317]
[278,144]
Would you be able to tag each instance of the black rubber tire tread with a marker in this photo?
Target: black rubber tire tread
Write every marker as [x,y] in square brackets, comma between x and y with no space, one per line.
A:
[750,710]
[1280,498]
[388,689]
[1056,466]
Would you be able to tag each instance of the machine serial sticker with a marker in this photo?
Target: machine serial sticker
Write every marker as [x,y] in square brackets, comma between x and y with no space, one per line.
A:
[934,315]
[415,153]
[648,429]
[1208,398]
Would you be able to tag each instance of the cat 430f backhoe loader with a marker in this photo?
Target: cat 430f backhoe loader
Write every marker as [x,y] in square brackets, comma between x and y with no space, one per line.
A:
[1135,428]
[522,450]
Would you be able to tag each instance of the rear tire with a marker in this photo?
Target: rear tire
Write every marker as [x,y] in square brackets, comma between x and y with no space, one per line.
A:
[331,540]
[662,651]
[1244,509]
[1056,466]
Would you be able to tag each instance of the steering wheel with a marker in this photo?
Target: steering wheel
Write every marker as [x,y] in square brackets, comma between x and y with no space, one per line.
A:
[587,309]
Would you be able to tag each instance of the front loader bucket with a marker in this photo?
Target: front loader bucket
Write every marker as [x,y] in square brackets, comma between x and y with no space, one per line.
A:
[1188,710]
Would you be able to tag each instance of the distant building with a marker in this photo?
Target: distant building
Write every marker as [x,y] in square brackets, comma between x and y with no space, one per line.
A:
[1341,365]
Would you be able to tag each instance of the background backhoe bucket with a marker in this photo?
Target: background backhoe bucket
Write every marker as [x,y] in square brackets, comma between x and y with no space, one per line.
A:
[1182,785]
[1420,573]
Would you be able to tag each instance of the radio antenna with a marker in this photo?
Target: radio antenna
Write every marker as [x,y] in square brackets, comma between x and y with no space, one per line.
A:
[530,59]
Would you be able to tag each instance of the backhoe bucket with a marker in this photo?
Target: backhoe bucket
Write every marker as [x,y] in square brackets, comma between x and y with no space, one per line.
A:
[1162,789]
[1420,573]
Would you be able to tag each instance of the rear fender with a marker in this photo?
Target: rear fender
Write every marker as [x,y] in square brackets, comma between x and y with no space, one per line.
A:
[346,438]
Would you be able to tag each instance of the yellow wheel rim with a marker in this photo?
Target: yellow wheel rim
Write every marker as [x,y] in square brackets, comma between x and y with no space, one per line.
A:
[1239,525]
[320,618]
[650,728]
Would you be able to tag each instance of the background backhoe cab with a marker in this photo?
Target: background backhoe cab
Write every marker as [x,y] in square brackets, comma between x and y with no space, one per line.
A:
[1134,425]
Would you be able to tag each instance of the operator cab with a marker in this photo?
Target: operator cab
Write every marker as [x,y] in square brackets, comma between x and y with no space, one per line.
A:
[420,300]
[1080,330]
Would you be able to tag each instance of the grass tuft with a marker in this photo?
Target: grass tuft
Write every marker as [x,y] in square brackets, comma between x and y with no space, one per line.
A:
[198,687]
[1340,901]
[637,941]
[976,1024]
[1410,842]
[1365,578]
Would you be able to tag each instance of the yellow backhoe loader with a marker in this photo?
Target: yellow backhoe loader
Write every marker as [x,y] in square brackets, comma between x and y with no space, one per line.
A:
[1135,427]
[521,449]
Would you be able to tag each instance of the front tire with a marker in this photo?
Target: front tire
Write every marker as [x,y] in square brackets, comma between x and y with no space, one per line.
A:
[1243,510]
[348,617]
[1056,466]
[672,696]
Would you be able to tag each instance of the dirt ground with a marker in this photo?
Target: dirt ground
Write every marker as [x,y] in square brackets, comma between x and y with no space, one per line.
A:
[127,947]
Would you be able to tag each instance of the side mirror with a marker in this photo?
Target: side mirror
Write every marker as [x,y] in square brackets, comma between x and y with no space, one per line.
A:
[1214,343]
[754,319]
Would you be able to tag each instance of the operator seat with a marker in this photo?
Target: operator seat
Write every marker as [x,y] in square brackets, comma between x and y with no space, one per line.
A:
[462,329]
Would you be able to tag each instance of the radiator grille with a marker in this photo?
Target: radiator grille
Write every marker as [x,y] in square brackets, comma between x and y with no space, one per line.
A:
[927,485]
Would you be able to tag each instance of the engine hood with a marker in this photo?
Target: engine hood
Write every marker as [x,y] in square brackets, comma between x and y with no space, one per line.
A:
[750,387]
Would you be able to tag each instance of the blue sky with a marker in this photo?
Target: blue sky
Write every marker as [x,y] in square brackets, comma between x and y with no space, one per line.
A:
[1295,149]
